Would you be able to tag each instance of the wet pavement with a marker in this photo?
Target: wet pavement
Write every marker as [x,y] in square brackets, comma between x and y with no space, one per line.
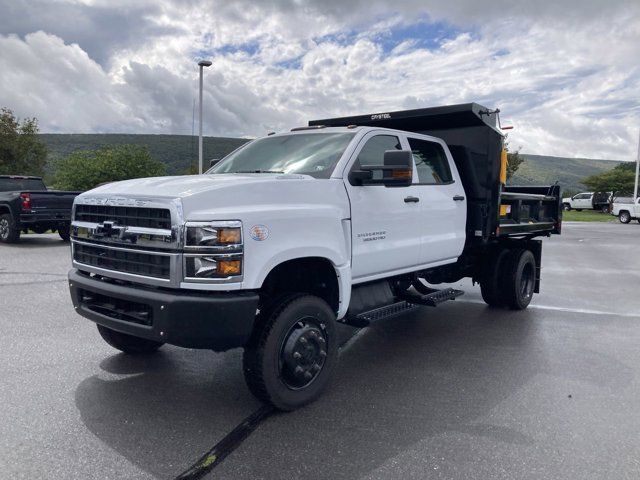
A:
[461,391]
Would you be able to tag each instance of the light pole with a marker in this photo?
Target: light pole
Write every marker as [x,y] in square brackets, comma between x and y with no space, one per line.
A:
[201,64]
[635,188]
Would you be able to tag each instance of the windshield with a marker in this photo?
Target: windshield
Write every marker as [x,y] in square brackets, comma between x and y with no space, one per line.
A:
[15,184]
[314,154]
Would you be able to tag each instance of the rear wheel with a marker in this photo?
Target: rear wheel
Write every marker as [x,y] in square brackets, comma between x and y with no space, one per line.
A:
[9,232]
[566,206]
[64,233]
[491,285]
[128,343]
[520,279]
[624,217]
[292,353]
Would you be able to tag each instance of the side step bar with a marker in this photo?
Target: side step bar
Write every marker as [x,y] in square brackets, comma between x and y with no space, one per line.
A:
[434,298]
[409,302]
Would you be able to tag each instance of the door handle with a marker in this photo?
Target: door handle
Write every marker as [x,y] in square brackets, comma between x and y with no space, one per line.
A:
[458,198]
[411,199]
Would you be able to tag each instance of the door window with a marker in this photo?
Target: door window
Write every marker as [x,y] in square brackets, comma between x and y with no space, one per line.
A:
[431,162]
[373,151]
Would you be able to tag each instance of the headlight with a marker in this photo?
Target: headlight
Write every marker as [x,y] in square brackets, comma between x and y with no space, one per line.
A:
[212,267]
[213,251]
[205,235]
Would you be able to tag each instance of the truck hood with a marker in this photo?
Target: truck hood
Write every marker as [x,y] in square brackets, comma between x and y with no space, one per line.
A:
[229,196]
[187,185]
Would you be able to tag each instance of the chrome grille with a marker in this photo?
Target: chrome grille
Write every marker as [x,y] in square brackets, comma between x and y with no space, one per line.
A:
[130,216]
[135,239]
[123,260]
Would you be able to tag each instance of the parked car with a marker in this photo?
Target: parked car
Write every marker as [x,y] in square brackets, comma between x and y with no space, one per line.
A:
[626,210]
[588,201]
[26,204]
[293,232]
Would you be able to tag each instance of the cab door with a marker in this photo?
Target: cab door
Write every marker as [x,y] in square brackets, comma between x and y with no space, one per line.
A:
[385,221]
[583,200]
[443,206]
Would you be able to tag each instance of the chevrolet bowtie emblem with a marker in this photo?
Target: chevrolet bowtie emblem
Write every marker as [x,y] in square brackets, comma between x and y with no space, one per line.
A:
[109,229]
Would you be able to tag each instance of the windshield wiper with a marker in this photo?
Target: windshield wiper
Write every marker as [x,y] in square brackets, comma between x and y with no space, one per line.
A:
[258,171]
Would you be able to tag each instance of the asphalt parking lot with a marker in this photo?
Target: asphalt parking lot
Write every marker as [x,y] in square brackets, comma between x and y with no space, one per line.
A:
[457,392]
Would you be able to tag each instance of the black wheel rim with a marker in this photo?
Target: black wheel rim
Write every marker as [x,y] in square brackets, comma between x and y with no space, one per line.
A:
[303,353]
[527,281]
[4,228]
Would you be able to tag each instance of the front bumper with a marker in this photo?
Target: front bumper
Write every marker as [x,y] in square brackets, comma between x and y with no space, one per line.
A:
[216,321]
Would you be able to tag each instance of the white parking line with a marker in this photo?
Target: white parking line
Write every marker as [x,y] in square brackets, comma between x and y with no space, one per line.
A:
[565,309]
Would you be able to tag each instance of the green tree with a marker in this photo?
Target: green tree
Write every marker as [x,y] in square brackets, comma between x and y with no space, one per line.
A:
[21,152]
[86,169]
[618,180]
[514,160]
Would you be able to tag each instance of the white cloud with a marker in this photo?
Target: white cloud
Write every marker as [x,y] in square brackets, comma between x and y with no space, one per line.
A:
[567,75]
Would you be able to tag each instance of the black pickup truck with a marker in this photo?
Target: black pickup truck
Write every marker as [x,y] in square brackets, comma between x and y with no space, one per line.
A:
[26,204]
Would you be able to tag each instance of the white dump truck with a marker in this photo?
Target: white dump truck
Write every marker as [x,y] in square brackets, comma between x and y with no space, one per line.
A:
[350,220]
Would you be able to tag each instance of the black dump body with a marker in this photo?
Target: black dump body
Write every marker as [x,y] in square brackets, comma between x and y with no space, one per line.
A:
[471,133]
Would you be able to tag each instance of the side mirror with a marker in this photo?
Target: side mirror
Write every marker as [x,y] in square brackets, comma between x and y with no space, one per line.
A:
[213,161]
[396,171]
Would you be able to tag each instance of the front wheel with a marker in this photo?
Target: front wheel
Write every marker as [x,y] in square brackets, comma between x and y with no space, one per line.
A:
[9,232]
[292,353]
[624,217]
[128,343]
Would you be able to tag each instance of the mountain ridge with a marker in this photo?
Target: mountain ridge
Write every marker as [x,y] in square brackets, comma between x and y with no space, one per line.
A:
[180,154]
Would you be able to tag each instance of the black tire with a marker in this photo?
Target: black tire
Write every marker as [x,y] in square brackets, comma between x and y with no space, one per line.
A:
[638,219]
[280,368]
[491,285]
[9,231]
[520,279]
[128,343]
[624,217]
[39,230]
[64,233]
[567,206]
[578,209]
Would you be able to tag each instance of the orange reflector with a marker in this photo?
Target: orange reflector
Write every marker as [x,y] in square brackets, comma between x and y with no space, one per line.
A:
[229,235]
[229,267]
[504,210]
[401,173]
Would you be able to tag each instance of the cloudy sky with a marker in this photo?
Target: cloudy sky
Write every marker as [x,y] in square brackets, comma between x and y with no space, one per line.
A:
[566,76]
